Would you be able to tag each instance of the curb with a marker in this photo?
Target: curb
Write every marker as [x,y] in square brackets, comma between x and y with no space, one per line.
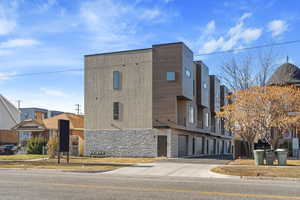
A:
[270,178]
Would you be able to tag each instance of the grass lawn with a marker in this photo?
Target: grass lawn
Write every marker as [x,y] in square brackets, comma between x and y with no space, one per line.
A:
[76,163]
[247,167]
[22,157]
[251,170]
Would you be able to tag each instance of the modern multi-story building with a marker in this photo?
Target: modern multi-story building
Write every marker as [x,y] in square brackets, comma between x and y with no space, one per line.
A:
[33,113]
[153,102]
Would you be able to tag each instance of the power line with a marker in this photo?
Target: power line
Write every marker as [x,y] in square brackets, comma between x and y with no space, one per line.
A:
[203,54]
[67,70]
[249,48]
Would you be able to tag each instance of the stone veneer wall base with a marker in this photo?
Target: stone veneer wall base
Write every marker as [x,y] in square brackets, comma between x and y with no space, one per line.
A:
[122,143]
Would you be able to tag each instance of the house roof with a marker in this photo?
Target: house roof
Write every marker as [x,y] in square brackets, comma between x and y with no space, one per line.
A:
[12,112]
[76,121]
[285,74]
[30,125]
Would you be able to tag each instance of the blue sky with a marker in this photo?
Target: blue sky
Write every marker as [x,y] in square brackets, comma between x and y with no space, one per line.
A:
[51,35]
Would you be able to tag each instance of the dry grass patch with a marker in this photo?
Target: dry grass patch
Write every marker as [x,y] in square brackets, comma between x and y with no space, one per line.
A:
[54,165]
[22,157]
[267,171]
[251,162]
[112,160]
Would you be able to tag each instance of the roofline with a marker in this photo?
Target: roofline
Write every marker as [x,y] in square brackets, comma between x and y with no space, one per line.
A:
[134,50]
[165,44]
[117,52]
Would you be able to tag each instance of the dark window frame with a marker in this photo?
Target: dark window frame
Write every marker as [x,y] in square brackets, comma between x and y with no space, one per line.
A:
[116,80]
[116,110]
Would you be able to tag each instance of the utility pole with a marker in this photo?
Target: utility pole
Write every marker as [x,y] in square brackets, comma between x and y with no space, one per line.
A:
[77,108]
[19,104]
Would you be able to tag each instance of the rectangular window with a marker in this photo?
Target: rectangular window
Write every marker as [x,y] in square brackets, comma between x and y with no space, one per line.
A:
[116,80]
[191,114]
[206,120]
[170,76]
[116,111]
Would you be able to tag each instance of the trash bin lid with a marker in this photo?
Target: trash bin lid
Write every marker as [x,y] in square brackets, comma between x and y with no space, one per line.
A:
[280,150]
[259,150]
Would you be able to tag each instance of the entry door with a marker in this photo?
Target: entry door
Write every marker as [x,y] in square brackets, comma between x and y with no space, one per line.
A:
[162,146]
[182,145]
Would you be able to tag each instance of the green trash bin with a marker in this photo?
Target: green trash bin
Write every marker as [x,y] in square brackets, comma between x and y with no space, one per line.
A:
[259,156]
[270,157]
[282,156]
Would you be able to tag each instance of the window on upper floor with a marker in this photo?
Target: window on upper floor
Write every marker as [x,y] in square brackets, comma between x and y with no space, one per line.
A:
[116,110]
[116,80]
[188,73]
[170,76]
[206,119]
[204,85]
[191,114]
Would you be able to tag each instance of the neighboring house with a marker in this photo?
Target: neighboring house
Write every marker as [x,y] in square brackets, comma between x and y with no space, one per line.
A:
[47,128]
[9,117]
[288,74]
[153,102]
[32,113]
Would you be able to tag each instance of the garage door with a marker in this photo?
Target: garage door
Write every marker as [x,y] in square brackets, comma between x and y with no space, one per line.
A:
[182,145]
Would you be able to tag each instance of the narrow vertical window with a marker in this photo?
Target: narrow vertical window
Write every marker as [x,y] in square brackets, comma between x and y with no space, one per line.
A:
[206,119]
[191,114]
[116,111]
[116,80]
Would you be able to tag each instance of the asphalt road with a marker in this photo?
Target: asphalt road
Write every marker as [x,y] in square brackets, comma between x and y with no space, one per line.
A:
[56,185]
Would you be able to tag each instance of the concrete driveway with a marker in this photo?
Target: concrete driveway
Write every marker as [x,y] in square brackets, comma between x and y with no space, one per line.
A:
[170,169]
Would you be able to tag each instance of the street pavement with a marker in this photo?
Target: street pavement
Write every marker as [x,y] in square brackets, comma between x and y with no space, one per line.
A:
[42,184]
[172,169]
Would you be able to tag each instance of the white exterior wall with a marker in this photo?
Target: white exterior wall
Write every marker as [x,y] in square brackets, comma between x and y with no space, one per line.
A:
[9,114]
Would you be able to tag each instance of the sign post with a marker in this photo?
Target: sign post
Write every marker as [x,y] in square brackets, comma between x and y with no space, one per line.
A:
[64,138]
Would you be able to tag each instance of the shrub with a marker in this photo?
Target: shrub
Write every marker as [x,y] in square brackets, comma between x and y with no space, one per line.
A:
[35,145]
[52,147]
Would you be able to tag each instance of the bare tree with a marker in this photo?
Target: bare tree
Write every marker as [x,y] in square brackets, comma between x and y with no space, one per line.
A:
[266,61]
[243,72]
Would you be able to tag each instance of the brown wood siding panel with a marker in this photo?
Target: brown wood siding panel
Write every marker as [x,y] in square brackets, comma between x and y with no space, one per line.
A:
[166,58]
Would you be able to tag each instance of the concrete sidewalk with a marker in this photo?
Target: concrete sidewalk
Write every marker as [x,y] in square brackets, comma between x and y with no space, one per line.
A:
[170,169]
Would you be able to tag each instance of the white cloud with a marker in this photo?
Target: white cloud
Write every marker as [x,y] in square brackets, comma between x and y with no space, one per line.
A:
[236,36]
[47,5]
[18,43]
[115,25]
[210,27]
[251,34]
[6,76]
[213,45]
[245,16]
[52,92]
[7,19]
[5,52]
[151,14]
[277,27]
